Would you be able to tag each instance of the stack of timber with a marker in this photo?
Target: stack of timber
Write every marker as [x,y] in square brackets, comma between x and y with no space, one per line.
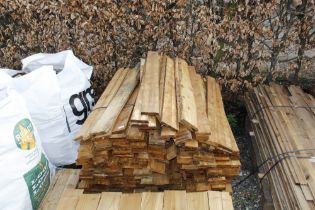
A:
[63,195]
[158,126]
[283,123]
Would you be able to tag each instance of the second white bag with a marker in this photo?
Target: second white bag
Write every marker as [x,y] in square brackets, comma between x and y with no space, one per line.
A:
[77,101]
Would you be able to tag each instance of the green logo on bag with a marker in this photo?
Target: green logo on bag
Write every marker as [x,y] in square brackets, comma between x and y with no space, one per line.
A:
[38,181]
[24,135]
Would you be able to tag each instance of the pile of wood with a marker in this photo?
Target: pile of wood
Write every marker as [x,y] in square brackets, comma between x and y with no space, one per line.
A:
[283,123]
[158,126]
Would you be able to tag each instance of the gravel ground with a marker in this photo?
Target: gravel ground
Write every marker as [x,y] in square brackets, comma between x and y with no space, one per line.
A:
[246,196]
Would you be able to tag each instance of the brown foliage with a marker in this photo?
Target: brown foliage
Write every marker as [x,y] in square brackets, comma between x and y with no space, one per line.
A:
[242,43]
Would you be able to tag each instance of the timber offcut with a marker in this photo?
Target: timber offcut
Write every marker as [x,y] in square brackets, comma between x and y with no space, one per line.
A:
[158,126]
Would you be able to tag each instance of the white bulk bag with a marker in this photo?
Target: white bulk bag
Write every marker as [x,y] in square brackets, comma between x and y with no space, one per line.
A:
[12,72]
[24,168]
[74,80]
[77,99]
[42,94]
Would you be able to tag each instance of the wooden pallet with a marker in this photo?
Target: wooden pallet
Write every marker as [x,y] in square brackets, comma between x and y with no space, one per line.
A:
[63,195]
[283,121]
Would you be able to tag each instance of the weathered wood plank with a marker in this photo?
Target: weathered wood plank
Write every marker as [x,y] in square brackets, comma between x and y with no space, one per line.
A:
[130,201]
[109,201]
[188,111]
[169,110]
[102,103]
[121,123]
[151,85]
[227,201]
[215,200]
[200,99]
[152,200]
[88,202]
[106,121]
[69,199]
[175,200]
[197,200]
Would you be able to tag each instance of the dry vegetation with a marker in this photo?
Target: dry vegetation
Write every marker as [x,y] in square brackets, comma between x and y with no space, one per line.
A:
[242,43]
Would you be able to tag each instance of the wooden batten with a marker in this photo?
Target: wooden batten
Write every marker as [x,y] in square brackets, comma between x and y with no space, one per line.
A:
[151,85]
[107,119]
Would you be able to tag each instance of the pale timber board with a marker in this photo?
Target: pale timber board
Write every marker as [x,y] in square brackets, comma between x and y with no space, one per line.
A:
[177,89]
[215,200]
[175,200]
[227,201]
[197,200]
[136,115]
[142,63]
[167,132]
[162,82]
[130,201]
[169,110]
[124,116]
[151,85]
[152,200]
[109,201]
[88,202]
[58,186]
[211,111]
[73,179]
[188,112]
[229,140]
[107,119]
[69,199]
[102,103]
[200,99]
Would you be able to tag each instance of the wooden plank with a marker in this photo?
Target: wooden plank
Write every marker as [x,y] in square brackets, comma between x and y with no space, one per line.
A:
[55,191]
[124,116]
[106,121]
[175,200]
[200,99]
[188,111]
[151,85]
[152,201]
[136,115]
[177,88]
[167,132]
[157,166]
[197,200]
[212,112]
[215,200]
[102,103]
[130,201]
[162,82]
[73,179]
[227,203]
[88,202]
[228,140]
[109,201]
[69,199]
[142,68]
[171,152]
[169,110]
